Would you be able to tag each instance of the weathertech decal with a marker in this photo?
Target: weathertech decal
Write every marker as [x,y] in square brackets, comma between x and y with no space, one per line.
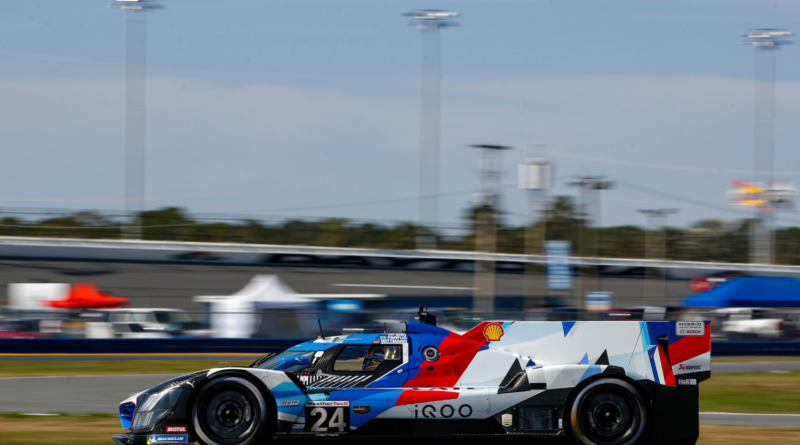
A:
[493,332]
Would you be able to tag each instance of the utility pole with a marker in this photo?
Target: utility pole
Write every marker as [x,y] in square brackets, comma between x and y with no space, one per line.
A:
[652,216]
[486,227]
[590,188]
[429,22]
[135,110]
[765,42]
[535,178]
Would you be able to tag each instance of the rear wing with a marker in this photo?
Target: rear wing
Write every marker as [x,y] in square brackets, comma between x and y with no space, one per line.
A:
[673,353]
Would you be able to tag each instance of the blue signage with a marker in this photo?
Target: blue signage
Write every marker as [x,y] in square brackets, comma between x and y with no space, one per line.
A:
[559,269]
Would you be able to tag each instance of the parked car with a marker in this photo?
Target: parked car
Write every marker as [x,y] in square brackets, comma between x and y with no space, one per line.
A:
[746,323]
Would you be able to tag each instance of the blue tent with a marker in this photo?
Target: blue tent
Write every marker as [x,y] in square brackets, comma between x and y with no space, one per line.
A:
[749,292]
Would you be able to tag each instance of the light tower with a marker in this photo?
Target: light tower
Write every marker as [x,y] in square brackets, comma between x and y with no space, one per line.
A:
[590,187]
[135,110]
[487,205]
[765,42]
[429,22]
[654,215]
[534,179]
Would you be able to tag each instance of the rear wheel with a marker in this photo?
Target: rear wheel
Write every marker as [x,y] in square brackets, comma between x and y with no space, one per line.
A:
[232,410]
[608,412]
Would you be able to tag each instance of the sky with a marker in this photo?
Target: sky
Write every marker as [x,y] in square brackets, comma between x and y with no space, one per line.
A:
[306,108]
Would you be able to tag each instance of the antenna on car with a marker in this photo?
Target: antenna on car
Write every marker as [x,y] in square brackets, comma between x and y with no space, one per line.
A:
[321,334]
[384,327]
[426,317]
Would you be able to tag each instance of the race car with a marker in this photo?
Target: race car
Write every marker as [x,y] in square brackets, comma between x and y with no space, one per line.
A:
[599,383]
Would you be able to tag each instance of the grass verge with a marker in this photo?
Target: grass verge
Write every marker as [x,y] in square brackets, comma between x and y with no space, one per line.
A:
[756,392]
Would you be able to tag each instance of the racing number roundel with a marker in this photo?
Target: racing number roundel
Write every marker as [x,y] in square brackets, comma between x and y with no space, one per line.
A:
[493,331]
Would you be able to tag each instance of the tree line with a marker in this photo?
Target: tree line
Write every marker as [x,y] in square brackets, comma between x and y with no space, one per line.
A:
[562,219]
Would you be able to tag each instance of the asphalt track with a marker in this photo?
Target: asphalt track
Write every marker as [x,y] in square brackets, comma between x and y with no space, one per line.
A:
[102,394]
[173,285]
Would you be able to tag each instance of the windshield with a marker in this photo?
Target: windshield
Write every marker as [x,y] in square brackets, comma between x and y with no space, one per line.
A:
[273,361]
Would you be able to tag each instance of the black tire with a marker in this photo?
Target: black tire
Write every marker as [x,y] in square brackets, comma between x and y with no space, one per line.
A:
[232,410]
[608,412]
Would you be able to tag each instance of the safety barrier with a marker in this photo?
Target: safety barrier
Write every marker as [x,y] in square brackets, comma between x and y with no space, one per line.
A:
[276,255]
[267,345]
[756,348]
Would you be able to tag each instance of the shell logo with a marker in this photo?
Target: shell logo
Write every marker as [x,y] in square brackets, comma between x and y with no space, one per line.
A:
[493,332]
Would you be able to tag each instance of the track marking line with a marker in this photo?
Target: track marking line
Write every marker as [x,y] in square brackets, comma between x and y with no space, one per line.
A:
[753,414]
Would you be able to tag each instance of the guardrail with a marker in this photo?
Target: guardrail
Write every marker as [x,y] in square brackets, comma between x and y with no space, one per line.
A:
[756,348]
[266,254]
[267,345]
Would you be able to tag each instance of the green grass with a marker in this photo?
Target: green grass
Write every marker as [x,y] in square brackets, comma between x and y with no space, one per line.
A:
[10,368]
[756,392]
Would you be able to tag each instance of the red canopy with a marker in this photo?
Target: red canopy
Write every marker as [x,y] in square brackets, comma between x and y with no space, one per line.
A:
[86,296]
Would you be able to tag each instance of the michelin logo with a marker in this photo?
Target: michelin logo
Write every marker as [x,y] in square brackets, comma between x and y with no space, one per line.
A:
[167,438]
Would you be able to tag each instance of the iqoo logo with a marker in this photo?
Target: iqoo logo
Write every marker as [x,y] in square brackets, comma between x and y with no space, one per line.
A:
[445,412]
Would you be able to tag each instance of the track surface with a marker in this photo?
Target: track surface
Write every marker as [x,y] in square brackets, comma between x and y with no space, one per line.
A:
[172,285]
[102,394]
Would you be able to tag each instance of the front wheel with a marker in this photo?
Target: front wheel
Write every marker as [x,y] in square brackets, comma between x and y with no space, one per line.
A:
[608,412]
[231,410]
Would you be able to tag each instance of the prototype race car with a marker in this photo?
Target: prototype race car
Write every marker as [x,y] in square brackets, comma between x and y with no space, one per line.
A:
[600,383]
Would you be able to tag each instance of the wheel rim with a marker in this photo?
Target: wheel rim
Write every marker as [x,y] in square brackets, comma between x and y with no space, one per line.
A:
[609,416]
[231,414]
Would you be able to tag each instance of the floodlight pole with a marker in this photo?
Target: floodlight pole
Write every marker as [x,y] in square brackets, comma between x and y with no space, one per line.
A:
[765,42]
[652,215]
[591,186]
[534,178]
[486,213]
[135,111]
[429,23]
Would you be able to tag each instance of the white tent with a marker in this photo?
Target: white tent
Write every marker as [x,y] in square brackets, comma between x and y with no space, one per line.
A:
[235,316]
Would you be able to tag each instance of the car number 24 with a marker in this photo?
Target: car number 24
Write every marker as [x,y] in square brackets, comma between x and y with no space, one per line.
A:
[327,417]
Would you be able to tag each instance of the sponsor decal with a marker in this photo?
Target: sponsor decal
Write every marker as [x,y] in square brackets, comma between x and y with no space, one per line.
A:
[176,429]
[691,382]
[168,438]
[361,409]
[445,412]
[683,367]
[493,332]
[507,419]
[327,403]
[392,339]
[290,402]
[690,328]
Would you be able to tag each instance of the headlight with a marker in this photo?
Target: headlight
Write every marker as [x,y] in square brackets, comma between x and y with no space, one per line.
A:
[154,408]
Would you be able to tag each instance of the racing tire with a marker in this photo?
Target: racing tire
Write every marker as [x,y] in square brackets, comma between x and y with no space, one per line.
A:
[608,412]
[232,410]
